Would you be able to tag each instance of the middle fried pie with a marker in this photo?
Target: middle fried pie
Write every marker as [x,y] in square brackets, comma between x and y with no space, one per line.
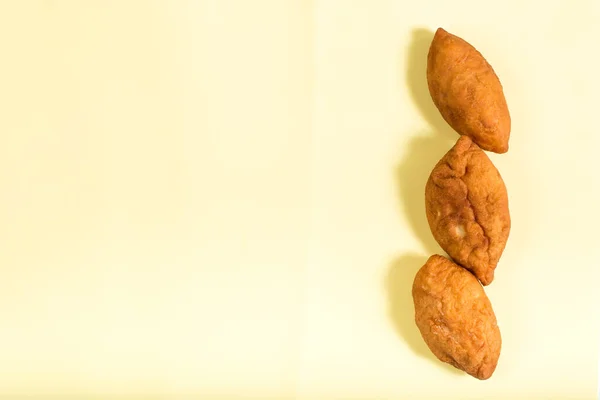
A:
[467,208]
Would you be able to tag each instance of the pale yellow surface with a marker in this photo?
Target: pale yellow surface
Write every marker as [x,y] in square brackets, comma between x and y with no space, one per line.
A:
[218,199]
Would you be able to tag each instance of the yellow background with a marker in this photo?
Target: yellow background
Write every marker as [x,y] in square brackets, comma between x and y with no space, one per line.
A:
[225,198]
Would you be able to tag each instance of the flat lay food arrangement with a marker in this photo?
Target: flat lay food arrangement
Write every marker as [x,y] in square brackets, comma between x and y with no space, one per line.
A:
[466,205]
[307,200]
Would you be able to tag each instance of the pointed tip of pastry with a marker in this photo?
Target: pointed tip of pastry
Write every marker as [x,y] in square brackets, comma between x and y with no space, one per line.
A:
[441,32]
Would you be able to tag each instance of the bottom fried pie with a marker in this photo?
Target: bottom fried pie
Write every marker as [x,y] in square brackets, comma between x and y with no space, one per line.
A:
[455,317]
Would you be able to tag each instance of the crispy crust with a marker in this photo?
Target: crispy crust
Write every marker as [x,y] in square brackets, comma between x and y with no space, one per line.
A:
[467,208]
[455,317]
[467,92]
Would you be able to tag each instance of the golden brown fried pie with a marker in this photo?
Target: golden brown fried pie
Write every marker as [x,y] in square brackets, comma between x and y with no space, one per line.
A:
[455,317]
[467,208]
[467,92]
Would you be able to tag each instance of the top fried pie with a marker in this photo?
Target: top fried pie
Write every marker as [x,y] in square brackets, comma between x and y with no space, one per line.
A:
[467,92]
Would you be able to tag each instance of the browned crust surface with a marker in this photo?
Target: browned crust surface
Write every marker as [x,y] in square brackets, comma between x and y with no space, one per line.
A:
[467,208]
[455,317]
[467,92]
